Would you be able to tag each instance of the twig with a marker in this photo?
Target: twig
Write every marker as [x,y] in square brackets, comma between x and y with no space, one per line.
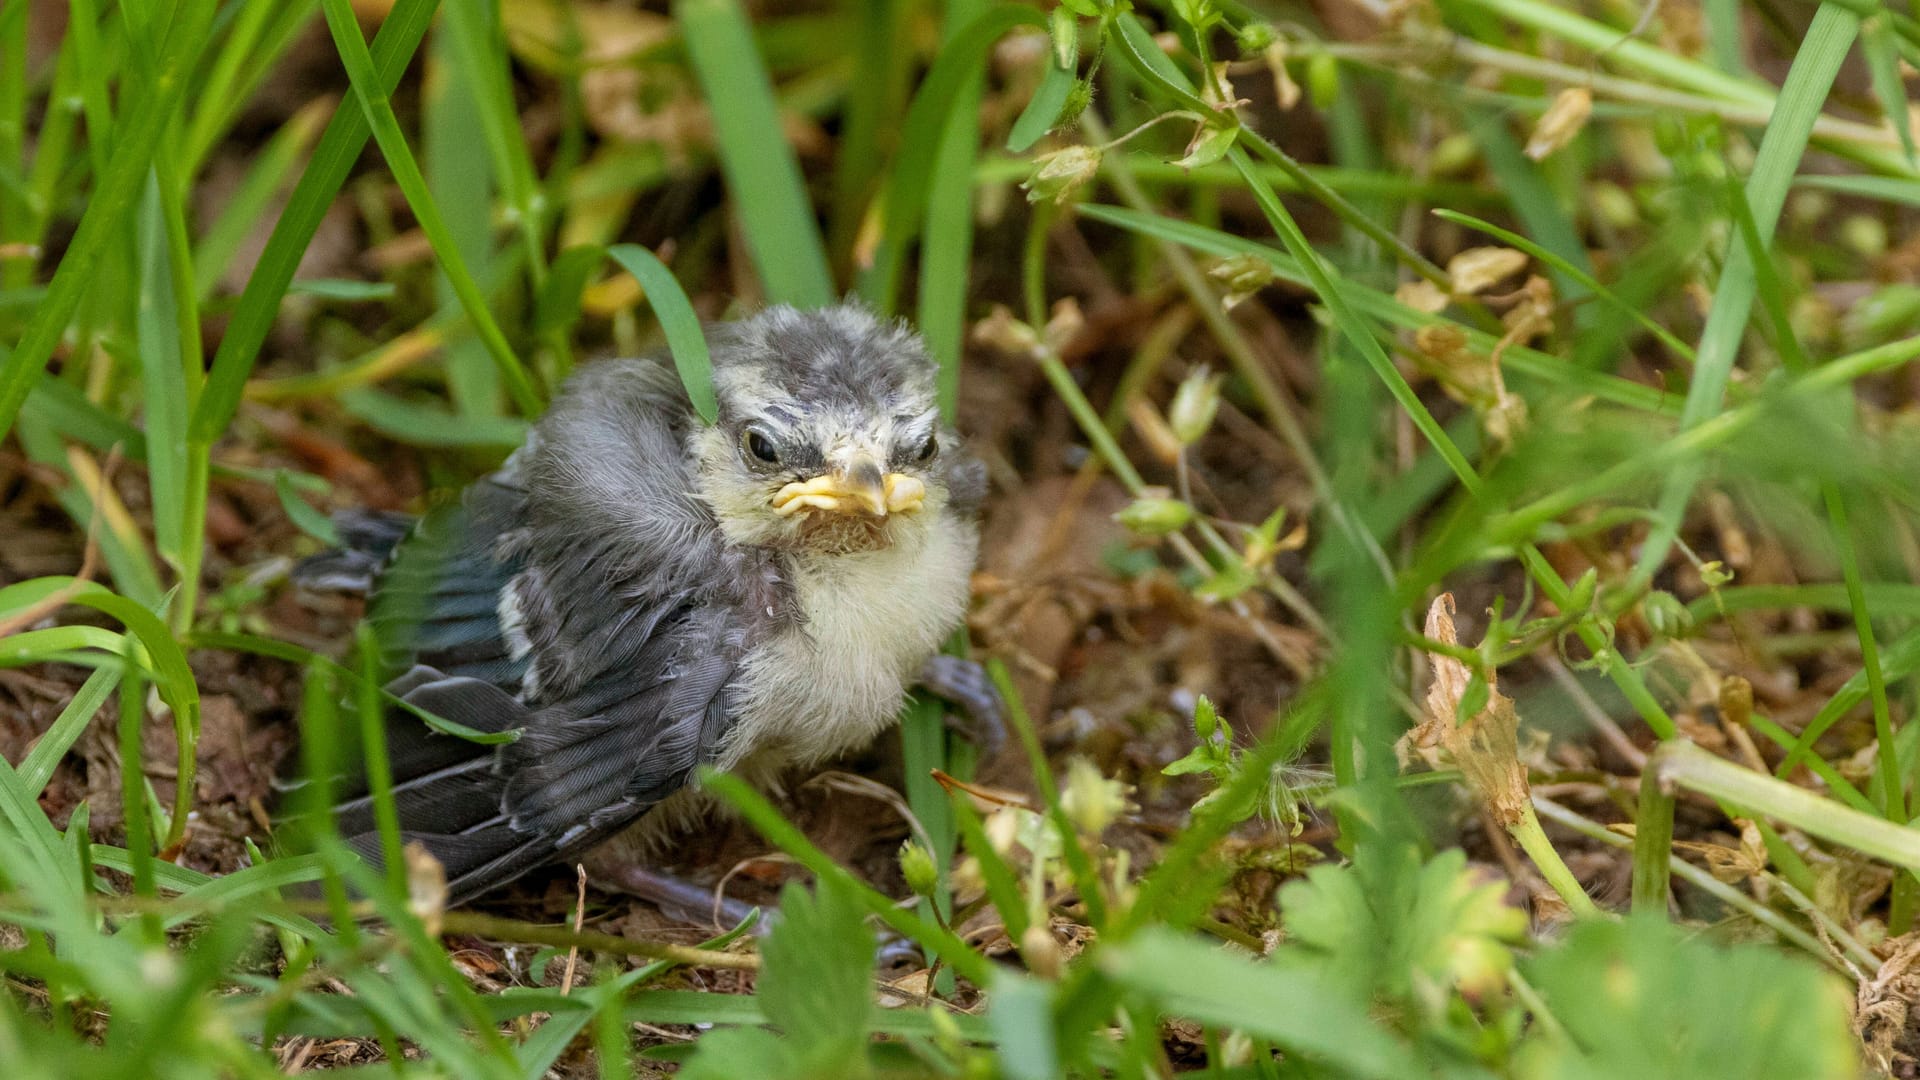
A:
[579,916]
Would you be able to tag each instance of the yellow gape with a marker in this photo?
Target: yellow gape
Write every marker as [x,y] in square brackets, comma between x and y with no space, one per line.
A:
[897,493]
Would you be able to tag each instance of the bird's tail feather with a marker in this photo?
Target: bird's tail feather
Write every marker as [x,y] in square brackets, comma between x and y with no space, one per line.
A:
[368,539]
[447,790]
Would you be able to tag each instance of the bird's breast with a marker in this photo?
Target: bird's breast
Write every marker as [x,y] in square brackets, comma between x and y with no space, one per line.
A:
[870,619]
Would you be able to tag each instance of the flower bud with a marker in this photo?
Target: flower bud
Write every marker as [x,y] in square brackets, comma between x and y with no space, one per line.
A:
[1323,79]
[426,886]
[1243,275]
[1194,406]
[1155,517]
[917,866]
[1057,175]
[1736,701]
[1078,99]
[1613,204]
[1255,37]
[1090,800]
[1453,154]
[1580,597]
[1064,29]
[1665,614]
[1041,951]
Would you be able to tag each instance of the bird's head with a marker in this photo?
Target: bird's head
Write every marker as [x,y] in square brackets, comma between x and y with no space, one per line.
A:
[829,437]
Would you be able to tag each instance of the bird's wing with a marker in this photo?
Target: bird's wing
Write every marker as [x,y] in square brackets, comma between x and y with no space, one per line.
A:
[434,582]
[586,599]
[586,763]
[584,766]
[437,601]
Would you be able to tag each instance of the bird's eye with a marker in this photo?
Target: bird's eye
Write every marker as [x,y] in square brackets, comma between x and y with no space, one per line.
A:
[927,449]
[756,444]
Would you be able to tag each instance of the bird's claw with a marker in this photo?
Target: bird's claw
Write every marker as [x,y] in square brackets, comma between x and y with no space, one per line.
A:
[966,684]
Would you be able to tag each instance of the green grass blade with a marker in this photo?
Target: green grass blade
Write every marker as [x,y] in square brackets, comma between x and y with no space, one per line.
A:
[422,424]
[933,106]
[372,93]
[946,252]
[250,43]
[768,195]
[1895,189]
[685,340]
[148,119]
[461,183]
[1879,46]
[312,197]
[480,55]
[1808,82]
[37,767]
[165,397]
[240,215]
[870,123]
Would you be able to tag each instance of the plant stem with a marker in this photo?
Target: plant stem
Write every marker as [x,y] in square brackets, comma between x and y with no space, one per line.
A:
[1533,840]
[1652,846]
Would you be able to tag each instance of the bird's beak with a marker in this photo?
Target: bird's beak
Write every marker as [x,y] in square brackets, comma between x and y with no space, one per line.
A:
[854,484]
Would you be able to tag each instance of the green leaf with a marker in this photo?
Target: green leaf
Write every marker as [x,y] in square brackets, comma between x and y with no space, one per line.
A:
[684,337]
[38,766]
[1038,118]
[1021,1012]
[1209,145]
[1742,1013]
[344,289]
[301,513]
[819,970]
[1387,927]
[737,1052]
[166,398]
[769,197]
[1199,759]
[1287,1003]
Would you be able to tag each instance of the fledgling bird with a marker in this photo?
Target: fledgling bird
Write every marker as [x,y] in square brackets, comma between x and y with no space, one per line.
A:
[640,593]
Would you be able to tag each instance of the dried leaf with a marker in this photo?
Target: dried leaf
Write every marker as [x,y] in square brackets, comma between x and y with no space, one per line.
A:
[1285,91]
[1484,746]
[1423,296]
[1476,270]
[1728,864]
[1563,120]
